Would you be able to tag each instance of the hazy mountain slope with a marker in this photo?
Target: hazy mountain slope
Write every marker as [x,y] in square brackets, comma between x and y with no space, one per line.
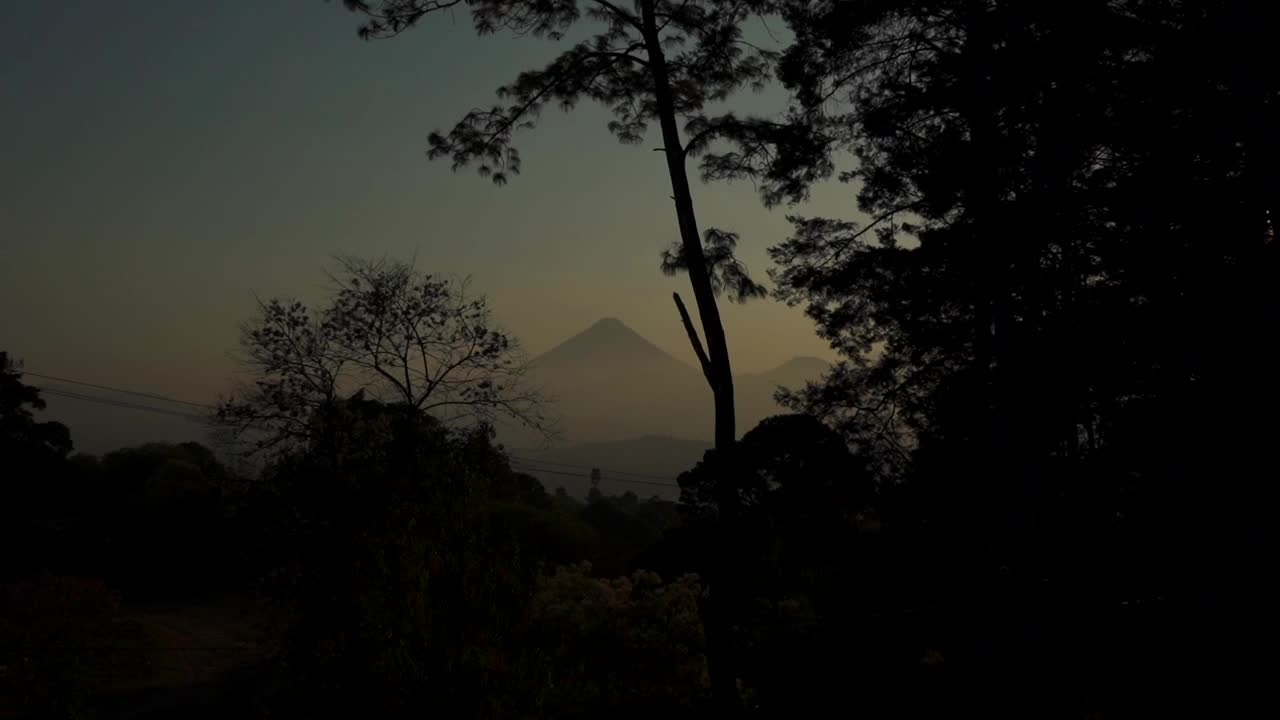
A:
[754,392]
[793,373]
[606,350]
[625,405]
[611,385]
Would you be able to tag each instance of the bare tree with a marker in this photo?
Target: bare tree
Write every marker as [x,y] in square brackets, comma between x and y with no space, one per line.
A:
[390,333]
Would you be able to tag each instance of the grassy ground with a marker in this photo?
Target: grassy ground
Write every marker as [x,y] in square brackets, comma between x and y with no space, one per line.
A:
[152,661]
[187,645]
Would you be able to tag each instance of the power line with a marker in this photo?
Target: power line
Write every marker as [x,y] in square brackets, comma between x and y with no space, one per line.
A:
[522,466]
[526,468]
[587,467]
[119,390]
[642,478]
[59,392]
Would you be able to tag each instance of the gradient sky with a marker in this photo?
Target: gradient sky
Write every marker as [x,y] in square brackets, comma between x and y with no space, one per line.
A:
[164,161]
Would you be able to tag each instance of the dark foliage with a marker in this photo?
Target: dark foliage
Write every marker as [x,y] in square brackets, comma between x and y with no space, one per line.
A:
[34,456]
[1053,323]
[24,439]
[397,590]
[59,640]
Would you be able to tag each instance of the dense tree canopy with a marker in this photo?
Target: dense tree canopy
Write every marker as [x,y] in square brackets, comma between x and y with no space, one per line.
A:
[1054,315]
[22,437]
[1058,194]
[398,591]
[33,459]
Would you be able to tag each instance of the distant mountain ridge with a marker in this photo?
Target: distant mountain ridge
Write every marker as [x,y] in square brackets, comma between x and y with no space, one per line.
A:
[608,348]
[608,384]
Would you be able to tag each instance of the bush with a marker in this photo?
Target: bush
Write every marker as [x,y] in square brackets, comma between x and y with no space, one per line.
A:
[401,594]
[629,644]
[60,637]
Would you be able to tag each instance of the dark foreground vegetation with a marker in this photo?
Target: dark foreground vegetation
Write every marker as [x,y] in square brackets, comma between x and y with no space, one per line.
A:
[1038,485]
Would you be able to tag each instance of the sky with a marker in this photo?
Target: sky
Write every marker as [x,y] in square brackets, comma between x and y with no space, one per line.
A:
[163,163]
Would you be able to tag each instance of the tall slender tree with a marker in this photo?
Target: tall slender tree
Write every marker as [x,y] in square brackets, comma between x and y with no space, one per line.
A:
[648,61]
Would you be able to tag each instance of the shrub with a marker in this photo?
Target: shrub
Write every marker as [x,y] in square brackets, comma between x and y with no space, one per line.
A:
[59,636]
[630,643]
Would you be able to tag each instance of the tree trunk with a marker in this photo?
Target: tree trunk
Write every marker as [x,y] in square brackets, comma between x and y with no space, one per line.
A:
[996,626]
[691,240]
[717,609]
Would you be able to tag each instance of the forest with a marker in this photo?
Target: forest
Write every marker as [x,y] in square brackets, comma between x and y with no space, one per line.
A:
[1033,486]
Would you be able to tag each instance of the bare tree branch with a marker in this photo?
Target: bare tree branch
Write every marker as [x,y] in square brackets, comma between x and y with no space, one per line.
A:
[703,361]
[411,339]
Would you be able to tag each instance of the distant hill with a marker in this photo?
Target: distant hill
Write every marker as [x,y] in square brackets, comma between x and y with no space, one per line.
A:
[605,352]
[754,392]
[609,383]
[624,402]
[793,373]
